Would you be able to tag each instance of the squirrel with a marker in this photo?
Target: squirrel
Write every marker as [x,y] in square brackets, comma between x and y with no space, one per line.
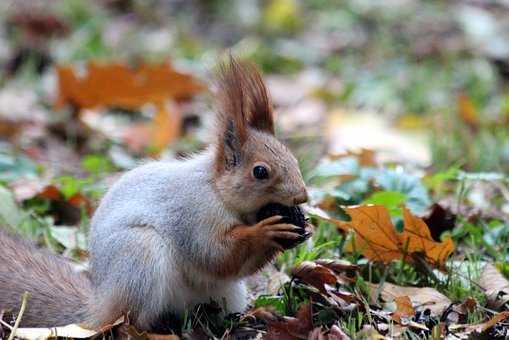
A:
[169,235]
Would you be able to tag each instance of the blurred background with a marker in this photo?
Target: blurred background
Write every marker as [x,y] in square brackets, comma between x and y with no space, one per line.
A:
[90,88]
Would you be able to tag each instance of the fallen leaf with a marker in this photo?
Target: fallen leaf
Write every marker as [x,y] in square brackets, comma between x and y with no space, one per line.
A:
[492,322]
[365,157]
[484,326]
[404,308]
[469,305]
[422,297]
[315,275]
[286,327]
[118,85]
[377,239]
[160,132]
[338,266]
[69,331]
[495,285]
[37,24]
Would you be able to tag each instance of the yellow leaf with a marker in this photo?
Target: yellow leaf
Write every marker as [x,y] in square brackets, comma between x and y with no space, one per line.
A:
[377,239]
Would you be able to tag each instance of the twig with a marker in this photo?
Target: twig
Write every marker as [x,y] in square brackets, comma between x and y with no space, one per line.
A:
[5,324]
[24,300]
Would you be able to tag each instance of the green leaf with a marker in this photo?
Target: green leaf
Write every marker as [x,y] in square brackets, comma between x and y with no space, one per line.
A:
[277,302]
[417,198]
[436,181]
[97,164]
[392,200]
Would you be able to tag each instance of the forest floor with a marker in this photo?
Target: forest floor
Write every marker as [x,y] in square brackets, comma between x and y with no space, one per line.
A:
[396,111]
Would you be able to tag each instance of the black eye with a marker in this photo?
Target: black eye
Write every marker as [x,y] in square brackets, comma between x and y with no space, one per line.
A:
[260,172]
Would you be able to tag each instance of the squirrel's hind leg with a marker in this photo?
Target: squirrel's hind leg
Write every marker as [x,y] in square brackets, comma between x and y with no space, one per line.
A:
[133,274]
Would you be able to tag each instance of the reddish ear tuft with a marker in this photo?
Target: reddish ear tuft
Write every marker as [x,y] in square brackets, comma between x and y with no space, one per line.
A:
[243,97]
[242,102]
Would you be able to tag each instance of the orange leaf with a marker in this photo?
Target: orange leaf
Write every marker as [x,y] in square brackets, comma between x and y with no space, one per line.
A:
[468,112]
[378,240]
[121,86]
[404,308]
[164,129]
[117,85]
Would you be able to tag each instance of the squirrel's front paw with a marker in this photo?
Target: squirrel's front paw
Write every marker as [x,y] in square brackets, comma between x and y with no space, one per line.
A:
[280,236]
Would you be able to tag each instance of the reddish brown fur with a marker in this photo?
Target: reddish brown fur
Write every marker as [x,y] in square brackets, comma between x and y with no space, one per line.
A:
[57,293]
[244,243]
[242,102]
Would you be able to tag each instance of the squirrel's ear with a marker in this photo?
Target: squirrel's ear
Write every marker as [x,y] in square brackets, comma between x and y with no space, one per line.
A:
[231,114]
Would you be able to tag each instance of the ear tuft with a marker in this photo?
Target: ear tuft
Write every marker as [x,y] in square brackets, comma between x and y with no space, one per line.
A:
[242,95]
[242,101]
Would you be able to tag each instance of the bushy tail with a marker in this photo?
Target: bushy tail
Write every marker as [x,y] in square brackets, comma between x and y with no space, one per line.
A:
[58,294]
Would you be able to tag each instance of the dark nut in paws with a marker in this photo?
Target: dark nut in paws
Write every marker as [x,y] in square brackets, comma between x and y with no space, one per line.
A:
[292,215]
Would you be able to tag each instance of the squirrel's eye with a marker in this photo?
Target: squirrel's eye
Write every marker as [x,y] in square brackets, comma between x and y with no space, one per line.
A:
[260,172]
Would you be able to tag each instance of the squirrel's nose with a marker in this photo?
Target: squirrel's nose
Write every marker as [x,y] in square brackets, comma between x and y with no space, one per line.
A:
[302,197]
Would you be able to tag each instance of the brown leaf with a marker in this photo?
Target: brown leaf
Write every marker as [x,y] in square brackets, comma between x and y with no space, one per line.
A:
[118,85]
[37,24]
[365,157]
[422,297]
[338,266]
[286,327]
[495,285]
[159,133]
[469,305]
[378,240]
[484,326]
[315,275]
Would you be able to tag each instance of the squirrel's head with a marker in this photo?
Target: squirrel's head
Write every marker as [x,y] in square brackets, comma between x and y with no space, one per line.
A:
[252,167]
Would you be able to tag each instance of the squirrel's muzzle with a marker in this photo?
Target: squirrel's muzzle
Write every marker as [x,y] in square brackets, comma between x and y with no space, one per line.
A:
[302,197]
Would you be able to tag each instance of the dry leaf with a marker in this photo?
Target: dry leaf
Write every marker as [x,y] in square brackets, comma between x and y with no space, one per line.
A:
[315,275]
[70,331]
[404,308]
[365,157]
[422,297]
[117,85]
[378,240]
[495,285]
[484,326]
[160,132]
[286,327]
